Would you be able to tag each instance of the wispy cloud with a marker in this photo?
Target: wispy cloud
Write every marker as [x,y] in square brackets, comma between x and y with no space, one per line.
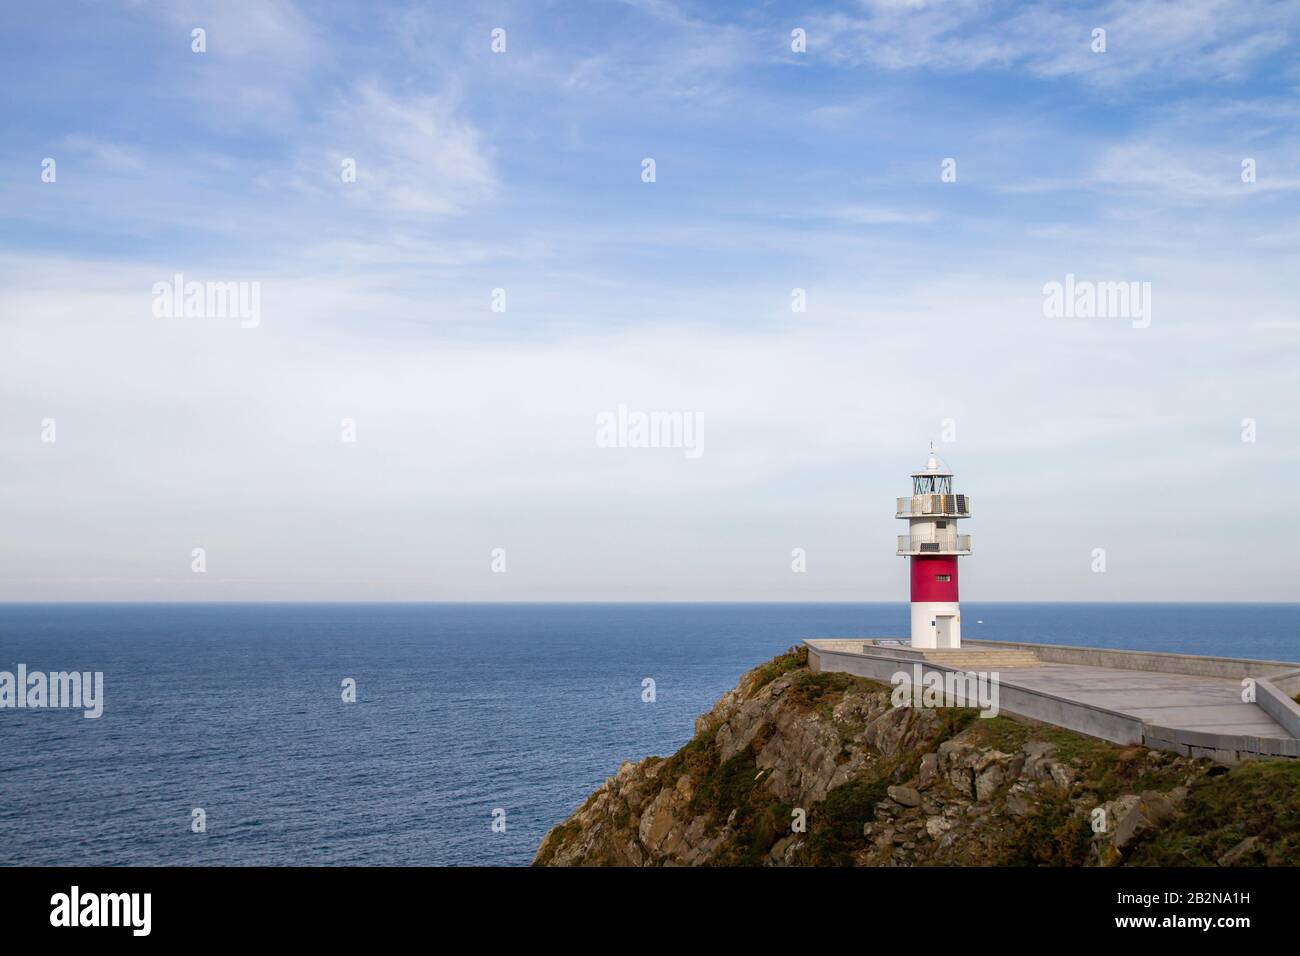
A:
[1188,173]
[414,156]
[1157,40]
[783,178]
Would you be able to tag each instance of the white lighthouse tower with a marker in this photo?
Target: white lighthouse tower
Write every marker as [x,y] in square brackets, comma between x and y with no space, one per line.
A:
[933,544]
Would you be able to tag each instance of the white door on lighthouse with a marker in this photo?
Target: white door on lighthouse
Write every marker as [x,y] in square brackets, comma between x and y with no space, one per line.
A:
[943,625]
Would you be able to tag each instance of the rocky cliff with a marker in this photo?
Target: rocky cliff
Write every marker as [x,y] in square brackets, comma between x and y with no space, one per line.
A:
[800,768]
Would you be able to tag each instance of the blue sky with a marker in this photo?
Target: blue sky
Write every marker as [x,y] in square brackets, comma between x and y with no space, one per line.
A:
[521,170]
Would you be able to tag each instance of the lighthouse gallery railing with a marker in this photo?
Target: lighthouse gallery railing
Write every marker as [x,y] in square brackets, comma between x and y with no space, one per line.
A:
[938,544]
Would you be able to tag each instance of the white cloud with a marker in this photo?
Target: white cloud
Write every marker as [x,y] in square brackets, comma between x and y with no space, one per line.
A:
[865,215]
[1159,41]
[183,433]
[1186,172]
[415,156]
[107,156]
[270,31]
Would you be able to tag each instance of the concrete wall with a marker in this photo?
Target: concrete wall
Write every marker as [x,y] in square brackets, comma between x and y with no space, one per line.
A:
[1277,703]
[1288,682]
[1228,748]
[1232,667]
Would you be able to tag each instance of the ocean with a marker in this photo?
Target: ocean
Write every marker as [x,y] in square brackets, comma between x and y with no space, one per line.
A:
[476,727]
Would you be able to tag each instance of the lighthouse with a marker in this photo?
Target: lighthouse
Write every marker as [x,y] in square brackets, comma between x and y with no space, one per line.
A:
[933,545]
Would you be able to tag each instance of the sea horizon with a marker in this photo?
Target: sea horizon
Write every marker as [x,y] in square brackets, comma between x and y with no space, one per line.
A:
[629,602]
[461,709]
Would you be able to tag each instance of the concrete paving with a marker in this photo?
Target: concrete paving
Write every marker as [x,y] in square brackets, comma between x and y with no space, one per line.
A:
[1179,701]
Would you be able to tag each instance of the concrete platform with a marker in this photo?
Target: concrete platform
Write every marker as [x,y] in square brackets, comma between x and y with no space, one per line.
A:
[1179,701]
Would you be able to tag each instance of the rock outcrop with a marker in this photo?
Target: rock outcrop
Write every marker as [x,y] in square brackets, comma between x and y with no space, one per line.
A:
[794,767]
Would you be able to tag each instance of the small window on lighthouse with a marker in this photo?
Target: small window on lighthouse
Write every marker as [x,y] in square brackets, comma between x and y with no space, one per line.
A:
[943,577]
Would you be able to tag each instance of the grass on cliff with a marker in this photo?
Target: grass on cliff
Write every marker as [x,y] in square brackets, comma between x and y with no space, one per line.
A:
[760,819]
[723,786]
[1105,770]
[821,691]
[726,787]
[764,674]
[835,824]
[1256,799]
[1052,835]
[808,689]
[568,830]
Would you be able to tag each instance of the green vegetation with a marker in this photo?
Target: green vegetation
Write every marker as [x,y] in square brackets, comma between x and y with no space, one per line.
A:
[1105,770]
[1053,835]
[697,760]
[1000,733]
[568,830]
[808,688]
[723,786]
[760,819]
[835,824]
[767,823]
[1009,734]
[953,721]
[822,691]
[728,786]
[733,786]
[764,674]
[1256,799]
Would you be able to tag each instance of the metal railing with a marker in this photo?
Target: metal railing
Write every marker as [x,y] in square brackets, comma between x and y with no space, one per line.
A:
[936,544]
[943,506]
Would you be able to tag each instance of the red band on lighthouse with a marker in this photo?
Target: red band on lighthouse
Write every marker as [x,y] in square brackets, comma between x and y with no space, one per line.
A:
[934,579]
